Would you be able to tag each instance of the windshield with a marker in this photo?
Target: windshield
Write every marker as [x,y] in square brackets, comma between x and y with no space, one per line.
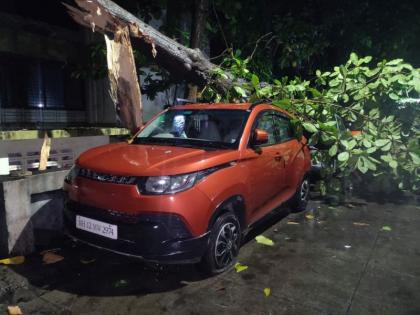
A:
[214,128]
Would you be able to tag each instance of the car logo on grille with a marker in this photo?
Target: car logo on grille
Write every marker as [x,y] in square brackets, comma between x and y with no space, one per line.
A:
[101,177]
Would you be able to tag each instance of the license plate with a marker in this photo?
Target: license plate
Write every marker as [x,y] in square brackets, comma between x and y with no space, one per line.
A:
[97,227]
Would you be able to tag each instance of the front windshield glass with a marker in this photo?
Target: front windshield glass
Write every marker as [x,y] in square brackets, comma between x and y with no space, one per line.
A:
[217,128]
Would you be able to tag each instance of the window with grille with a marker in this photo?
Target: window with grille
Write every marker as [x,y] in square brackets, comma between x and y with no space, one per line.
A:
[35,83]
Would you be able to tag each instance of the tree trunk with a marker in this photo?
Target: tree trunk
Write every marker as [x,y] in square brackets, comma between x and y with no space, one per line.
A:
[198,37]
[105,16]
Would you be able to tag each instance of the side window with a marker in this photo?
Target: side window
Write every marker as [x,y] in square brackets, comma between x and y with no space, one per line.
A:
[284,128]
[265,122]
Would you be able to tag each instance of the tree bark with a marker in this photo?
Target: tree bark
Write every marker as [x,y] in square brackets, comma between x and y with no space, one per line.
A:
[198,37]
[123,81]
[191,64]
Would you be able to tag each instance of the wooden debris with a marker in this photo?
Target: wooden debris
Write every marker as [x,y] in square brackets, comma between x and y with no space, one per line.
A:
[45,153]
[14,310]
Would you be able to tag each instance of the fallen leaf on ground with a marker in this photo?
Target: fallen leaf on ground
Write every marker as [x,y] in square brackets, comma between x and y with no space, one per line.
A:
[53,250]
[14,310]
[239,267]
[51,258]
[386,228]
[87,261]
[309,216]
[261,239]
[292,223]
[13,260]
[360,224]
[267,291]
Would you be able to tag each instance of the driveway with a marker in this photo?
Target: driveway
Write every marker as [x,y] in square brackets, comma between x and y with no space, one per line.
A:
[363,258]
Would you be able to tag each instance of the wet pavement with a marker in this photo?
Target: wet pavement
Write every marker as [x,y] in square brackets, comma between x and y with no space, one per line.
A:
[362,258]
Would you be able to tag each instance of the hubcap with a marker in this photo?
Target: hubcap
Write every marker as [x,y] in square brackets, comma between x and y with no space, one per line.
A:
[304,190]
[227,245]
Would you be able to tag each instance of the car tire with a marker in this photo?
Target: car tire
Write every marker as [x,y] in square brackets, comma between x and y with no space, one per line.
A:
[300,199]
[223,246]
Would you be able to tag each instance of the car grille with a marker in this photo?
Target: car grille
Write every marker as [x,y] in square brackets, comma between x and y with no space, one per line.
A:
[101,177]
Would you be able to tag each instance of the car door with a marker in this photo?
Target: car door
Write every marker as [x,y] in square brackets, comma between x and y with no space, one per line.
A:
[263,164]
[287,150]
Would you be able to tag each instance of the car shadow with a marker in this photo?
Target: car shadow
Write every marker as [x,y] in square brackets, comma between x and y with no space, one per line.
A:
[88,271]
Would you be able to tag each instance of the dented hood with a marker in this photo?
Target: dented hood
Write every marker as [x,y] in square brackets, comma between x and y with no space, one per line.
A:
[151,160]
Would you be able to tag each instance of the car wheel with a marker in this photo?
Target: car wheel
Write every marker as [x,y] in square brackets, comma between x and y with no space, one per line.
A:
[224,243]
[300,198]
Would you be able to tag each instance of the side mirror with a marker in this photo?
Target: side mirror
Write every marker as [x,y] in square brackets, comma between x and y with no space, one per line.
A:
[259,137]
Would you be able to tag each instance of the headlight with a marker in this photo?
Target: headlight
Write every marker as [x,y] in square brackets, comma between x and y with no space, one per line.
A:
[73,173]
[157,185]
[169,184]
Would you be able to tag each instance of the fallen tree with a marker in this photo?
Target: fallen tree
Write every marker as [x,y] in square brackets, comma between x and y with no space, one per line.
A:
[379,101]
[106,17]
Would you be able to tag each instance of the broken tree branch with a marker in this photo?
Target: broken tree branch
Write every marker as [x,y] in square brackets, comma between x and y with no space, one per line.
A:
[123,81]
[191,64]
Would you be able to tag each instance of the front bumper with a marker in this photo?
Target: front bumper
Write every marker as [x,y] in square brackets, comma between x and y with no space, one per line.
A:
[154,237]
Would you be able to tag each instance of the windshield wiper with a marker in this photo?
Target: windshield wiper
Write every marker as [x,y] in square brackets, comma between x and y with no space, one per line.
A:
[189,143]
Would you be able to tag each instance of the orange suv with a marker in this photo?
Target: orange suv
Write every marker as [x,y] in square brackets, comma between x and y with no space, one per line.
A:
[189,185]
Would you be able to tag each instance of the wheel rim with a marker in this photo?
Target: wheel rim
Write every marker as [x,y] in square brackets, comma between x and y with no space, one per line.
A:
[304,190]
[227,246]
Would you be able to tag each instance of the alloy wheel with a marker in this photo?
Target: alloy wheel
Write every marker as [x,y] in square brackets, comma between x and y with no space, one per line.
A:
[227,244]
[304,190]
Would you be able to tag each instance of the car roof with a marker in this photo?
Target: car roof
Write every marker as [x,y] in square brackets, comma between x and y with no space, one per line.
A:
[234,106]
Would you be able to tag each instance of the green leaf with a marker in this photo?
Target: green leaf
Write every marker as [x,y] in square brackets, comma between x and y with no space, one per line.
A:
[387,158]
[415,158]
[345,98]
[343,156]
[345,143]
[315,93]
[333,150]
[255,81]
[367,59]
[239,267]
[393,164]
[394,62]
[369,164]
[240,91]
[265,91]
[394,96]
[351,144]
[382,142]
[261,239]
[366,143]
[416,83]
[386,147]
[361,165]
[374,113]
[310,127]
[353,58]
